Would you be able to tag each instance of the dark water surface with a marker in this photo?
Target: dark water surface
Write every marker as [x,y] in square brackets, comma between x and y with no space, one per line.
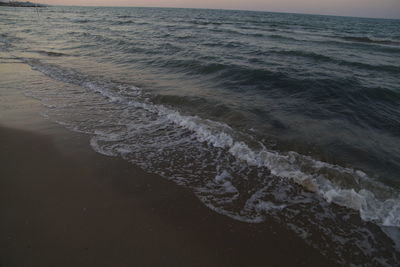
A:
[265,116]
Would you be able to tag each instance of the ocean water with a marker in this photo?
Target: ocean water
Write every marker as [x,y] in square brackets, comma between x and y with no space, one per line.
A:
[264,116]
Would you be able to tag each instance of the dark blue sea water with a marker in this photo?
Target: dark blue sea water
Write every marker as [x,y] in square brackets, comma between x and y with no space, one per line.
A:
[264,116]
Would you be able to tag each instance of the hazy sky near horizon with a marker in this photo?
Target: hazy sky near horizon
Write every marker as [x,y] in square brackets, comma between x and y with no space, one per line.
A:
[362,8]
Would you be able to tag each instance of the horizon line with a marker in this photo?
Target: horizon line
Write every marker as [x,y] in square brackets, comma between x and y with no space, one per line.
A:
[226,9]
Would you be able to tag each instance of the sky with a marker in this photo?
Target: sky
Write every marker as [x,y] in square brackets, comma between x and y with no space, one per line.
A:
[359,8]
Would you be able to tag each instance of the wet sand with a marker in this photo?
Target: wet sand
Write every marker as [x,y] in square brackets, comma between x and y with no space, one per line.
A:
[62,204]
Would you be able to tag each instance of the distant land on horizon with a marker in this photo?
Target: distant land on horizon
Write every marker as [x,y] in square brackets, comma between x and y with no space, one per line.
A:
[21,4]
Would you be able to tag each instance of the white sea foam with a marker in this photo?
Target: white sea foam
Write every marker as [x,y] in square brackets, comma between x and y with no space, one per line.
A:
[223,180]
[289,165]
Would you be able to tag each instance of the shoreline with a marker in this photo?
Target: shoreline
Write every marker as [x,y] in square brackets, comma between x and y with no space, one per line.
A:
[63,204]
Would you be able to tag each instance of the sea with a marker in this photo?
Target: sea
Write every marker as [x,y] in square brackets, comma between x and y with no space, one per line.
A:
[281,117]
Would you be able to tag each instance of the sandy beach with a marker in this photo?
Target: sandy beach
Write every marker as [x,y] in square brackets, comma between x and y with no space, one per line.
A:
[62,204]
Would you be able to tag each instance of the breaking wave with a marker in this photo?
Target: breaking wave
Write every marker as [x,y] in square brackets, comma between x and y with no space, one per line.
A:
[364,39]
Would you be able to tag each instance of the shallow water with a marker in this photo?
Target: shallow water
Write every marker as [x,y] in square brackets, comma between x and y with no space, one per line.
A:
[265,116]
